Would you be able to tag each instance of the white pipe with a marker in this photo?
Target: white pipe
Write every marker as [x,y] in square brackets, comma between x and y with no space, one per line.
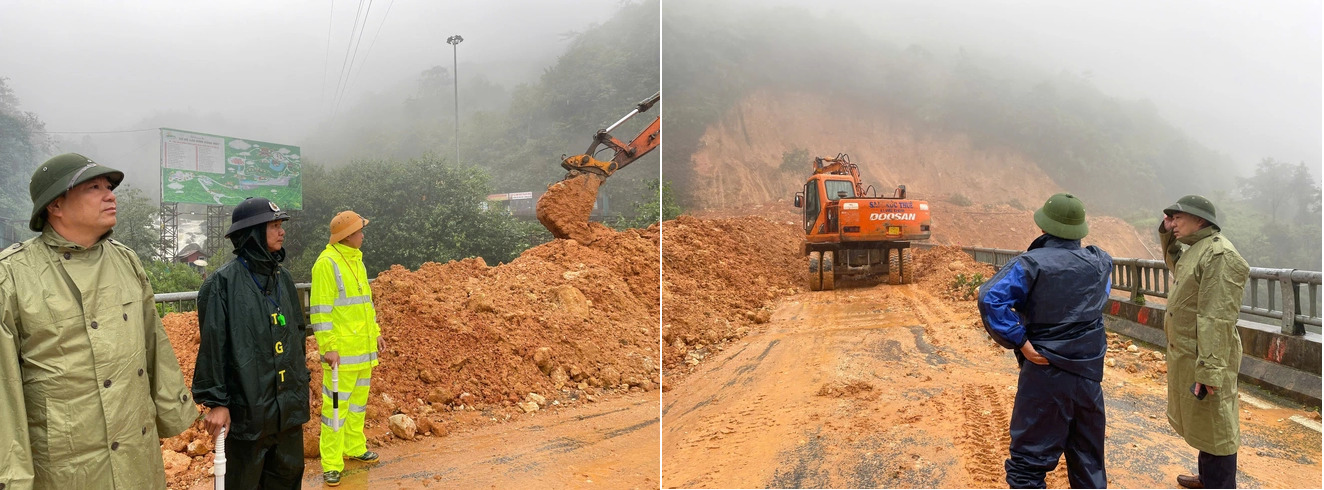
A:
[219,466]
[335,398]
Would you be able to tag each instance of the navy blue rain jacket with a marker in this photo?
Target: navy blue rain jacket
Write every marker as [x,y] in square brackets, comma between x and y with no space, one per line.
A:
[1053,296]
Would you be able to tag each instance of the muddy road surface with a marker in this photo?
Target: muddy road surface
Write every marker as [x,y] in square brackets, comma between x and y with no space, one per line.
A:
[612,444]
[875,385]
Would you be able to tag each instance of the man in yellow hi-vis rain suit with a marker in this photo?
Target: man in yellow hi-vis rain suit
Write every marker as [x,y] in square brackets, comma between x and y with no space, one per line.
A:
[348,337]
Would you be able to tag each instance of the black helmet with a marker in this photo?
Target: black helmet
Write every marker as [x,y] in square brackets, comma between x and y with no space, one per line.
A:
[59,174]
[254,211]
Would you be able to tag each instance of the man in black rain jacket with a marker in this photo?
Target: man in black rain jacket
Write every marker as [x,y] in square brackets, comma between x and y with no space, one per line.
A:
[250,370]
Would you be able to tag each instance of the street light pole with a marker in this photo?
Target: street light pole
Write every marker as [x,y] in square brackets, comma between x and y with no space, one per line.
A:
[455,41]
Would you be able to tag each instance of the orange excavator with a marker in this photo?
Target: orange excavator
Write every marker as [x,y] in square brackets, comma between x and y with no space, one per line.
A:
[849,231]
[565,208]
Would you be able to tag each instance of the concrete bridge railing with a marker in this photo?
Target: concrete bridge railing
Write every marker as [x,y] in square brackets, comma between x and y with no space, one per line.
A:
[1280,325]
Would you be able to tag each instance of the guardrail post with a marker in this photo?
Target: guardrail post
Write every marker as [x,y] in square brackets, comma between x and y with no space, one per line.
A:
[1136,296]
[1290,307]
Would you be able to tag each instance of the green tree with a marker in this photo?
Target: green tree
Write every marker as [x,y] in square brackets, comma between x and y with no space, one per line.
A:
[172,277]
[1275,186]
[518,134]
[660,206]
[795,160]
[1277,223]
[136,222]
[23,144]
[420,210]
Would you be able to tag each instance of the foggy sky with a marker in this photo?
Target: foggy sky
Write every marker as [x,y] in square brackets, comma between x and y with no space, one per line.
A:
[93,65]
[1241,77]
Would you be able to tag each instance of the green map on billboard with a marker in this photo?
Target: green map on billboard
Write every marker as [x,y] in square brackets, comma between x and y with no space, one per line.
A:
[200,168]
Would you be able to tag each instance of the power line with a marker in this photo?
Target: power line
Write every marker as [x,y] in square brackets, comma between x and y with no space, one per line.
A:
[357,43]
[326,60]
[98,132]
[354,76]
[345,62]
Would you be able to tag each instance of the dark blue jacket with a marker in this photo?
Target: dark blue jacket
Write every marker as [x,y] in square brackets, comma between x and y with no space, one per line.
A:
[1053,296]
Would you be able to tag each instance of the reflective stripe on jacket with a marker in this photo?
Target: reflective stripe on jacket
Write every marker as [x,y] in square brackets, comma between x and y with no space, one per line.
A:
[340,307]
[88,379]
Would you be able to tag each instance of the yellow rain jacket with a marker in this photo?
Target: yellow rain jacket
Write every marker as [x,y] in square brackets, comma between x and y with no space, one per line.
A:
[88,380]
[341,308]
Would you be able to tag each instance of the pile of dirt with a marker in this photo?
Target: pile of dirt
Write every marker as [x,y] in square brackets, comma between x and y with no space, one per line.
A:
[182,466]
[188,456]
[466,342]
[949,273]
[566,206]
[986,225]
[720,277]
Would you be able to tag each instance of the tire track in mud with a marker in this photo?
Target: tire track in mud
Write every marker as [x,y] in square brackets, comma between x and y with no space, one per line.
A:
[924,306]
[985,437]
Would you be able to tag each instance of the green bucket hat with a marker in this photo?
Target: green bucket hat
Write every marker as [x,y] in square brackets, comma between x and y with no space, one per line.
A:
[59,174]
[1195,205]
[1063,216]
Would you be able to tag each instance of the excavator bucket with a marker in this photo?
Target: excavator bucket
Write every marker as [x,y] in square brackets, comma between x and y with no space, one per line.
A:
[565,208]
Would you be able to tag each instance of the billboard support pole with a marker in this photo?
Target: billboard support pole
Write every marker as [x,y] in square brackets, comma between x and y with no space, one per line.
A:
[169,230]
[216,217]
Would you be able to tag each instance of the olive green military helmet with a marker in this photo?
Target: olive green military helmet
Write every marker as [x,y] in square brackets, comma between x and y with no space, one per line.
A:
[1063,216]
[1196,205]
[59,174]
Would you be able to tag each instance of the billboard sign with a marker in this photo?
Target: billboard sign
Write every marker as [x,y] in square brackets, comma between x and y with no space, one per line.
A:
[200,168]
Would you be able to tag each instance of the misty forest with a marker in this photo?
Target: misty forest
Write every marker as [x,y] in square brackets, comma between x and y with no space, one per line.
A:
[1119,155]
[390,153]
[390,157]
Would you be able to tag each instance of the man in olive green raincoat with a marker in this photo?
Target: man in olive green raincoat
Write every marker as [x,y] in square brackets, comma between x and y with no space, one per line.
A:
[1204,348]
[88,380]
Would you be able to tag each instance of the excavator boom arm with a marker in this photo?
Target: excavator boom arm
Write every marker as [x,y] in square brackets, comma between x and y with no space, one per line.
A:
[567,205]
[642,144]
[840,165]
[625,153]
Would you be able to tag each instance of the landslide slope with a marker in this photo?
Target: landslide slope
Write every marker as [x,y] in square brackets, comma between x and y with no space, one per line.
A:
[981,196]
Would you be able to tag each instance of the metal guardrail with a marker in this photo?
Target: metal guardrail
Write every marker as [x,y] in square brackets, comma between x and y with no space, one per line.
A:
[188,300]
[1269,292]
